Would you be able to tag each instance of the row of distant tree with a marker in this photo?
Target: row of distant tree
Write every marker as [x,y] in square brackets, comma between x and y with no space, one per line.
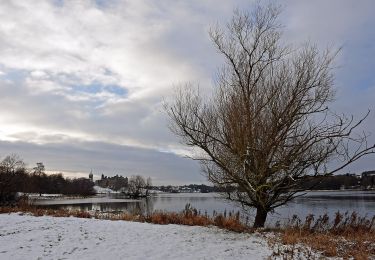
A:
[15,177]
[334,182]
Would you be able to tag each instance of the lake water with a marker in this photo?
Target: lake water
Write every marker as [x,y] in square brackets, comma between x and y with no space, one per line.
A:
[317,203]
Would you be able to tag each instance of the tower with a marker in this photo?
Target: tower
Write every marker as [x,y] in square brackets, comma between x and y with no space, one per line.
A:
[91,176]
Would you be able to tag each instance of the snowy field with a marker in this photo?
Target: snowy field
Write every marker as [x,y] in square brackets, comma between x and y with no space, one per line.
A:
[28,237]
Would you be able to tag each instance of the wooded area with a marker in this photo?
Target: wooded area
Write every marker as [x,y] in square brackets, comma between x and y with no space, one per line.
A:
[15,177]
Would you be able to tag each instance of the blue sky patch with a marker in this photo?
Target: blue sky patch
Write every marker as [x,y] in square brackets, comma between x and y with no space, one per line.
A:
[97,87]
[14,75]
[58,2]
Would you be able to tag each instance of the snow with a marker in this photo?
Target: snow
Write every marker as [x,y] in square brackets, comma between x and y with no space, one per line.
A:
[90,200]
[154,191]
[40,196]
[28,237]
[101,190]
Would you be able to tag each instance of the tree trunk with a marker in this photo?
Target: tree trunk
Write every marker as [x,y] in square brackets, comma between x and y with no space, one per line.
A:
[260,218]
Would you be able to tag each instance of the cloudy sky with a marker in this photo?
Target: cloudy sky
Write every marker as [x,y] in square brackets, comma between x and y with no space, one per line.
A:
[82,81]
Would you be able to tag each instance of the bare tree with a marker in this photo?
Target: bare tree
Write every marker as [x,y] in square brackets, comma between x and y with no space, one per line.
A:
[12,163]
[136,185]
[39,169]
[148,185]
[267,124]
[39,178]
[12,177]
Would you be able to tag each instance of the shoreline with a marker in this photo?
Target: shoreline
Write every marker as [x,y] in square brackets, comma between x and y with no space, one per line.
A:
[86,200]
[353,236]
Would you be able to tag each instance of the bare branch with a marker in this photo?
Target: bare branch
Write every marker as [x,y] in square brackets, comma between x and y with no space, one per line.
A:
[268,123]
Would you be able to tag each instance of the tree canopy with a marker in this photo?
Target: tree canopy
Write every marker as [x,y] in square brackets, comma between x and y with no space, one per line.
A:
[268,122]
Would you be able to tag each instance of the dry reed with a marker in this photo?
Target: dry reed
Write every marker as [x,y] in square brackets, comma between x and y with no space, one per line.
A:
[346,236]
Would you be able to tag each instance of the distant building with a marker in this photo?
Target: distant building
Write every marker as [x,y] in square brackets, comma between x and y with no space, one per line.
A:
[368,179]
[115,183]
[91,176]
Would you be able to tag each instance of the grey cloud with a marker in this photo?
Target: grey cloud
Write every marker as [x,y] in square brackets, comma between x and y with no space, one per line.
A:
[108,159]
[144,47]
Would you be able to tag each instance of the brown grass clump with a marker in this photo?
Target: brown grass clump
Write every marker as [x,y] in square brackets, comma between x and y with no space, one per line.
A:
[164,218]
[347,236]
[38,212]
[231,223]
[190,216]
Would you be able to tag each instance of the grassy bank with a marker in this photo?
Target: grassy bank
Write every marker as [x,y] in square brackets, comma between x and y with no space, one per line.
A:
[346,236]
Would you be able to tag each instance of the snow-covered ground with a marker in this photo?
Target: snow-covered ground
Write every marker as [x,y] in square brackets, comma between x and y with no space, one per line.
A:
[101,190]
[28,237]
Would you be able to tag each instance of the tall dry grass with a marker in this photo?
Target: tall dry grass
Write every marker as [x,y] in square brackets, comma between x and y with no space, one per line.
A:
[347,235]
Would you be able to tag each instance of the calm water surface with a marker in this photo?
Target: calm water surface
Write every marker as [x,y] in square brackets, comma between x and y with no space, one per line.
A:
[317,203]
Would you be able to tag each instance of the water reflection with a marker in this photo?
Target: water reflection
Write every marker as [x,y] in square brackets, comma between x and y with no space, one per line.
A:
[135,207]
[316,203]
[321,203]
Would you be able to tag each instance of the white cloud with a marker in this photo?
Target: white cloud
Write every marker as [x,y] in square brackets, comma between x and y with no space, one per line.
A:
[77,43]
[82,71]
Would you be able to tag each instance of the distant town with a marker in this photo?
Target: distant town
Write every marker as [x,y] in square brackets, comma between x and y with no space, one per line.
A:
[348,181]
[121,184]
